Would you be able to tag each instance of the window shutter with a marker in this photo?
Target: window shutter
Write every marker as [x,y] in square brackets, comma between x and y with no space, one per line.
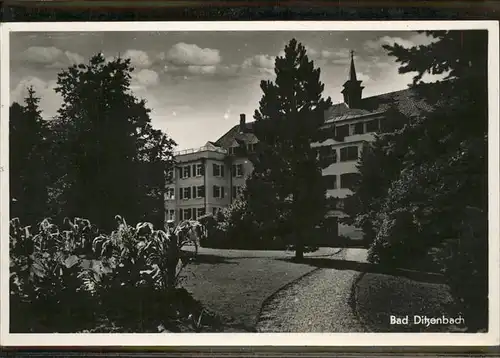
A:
[180,193]
[222,168]
[222,192]
[193,189]
[194,213]
[213,191]
[180,173]
[188,192]
[193,168]
[214,169]
[189,171]
[202,168]
[180,215]
[233,170]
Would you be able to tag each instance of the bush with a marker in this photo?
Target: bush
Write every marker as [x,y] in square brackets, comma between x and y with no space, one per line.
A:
[72,280]
[465,262]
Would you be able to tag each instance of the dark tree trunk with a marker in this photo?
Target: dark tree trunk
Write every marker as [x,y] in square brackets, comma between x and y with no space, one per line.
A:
[299,246]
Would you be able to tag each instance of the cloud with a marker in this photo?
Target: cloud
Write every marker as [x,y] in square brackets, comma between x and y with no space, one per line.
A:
[145,78]
[51,57]
[50,101]
[202,70]
[415,40]
[338,57]
[183,54]
[138,58]
[259,61]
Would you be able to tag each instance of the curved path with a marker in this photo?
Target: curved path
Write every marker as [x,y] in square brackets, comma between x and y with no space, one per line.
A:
[318,302]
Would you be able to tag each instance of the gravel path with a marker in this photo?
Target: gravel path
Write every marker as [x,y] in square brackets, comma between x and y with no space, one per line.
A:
[318,302]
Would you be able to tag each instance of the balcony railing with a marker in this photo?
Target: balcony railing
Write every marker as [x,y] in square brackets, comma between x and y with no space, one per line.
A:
[200,149]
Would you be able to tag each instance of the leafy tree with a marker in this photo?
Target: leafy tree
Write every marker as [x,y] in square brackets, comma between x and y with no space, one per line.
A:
[442,175]
[27,162]
[288,120]
[114,161]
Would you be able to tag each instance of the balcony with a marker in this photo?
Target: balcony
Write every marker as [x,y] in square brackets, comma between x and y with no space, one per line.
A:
[200,149]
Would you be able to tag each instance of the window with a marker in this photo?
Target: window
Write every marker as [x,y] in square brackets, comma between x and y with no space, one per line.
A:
[186,171]
[342,131]
[358,128]
[328,153]
[181,217]
[330,181]
[170,194]
[187,193]
[236,190]
[214,211]
[170,175]
[237,170]
[187,214]
[348,180]
[251,147]
[232,150]
[372,126]
[218,191]
[171,215]
[199,170]
[194,210]
[348,153]
[218,170]
[201,212]
[200,191]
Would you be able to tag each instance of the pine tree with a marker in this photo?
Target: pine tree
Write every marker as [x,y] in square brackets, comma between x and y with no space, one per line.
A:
[114,160]
[28,151]
[288,120]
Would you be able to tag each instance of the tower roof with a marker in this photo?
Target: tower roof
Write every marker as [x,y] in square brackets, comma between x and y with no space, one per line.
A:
[352,70]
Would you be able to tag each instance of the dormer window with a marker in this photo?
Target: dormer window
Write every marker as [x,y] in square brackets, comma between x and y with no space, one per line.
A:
[232,150]
[250,147]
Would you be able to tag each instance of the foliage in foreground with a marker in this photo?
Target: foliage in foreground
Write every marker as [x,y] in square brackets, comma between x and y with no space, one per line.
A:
[74,279]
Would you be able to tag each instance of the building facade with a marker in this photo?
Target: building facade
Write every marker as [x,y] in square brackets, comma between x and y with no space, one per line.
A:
[348,126]
[209,178]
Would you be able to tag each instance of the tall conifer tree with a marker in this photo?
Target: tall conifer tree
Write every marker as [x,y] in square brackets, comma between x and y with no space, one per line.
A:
[288,120]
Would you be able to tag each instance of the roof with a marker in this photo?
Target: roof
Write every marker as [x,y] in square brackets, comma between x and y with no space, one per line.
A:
[406,101]
[227,139]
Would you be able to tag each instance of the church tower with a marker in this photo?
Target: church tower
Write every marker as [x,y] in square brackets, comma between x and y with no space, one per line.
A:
[352,87]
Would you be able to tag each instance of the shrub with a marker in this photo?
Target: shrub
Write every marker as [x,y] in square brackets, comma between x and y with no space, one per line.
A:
[62,281]
[465,262]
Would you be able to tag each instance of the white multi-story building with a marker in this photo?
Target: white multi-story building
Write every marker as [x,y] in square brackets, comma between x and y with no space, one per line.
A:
[349,126]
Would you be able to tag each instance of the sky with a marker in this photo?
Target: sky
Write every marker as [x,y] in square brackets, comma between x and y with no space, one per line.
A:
[198,83]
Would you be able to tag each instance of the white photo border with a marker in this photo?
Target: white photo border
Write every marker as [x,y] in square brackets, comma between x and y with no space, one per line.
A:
[258,339]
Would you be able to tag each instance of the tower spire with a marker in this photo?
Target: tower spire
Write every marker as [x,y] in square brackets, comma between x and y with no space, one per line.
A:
[352,71]
[352,87]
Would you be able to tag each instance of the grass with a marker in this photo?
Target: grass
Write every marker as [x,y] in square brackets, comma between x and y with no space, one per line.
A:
[234,285]
[376,296]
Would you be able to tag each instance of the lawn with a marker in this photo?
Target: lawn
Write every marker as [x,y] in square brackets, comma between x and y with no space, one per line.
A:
[235,283]
[377,296]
